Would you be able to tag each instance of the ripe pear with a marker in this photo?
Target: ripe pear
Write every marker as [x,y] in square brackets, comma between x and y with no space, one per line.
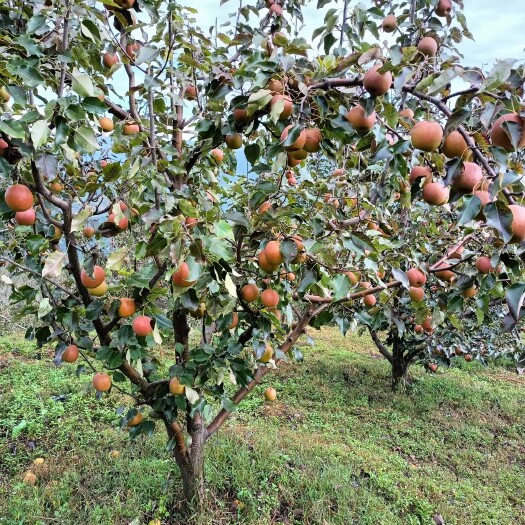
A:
[359,120]
[469,178]
[435,193]
[455,146]
[428,46]
[389,24]
[377,84]
[426,135]
[518,223]
[444,8]
[500,137]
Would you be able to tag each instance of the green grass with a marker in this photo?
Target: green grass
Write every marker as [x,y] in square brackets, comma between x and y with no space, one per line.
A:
[336,447]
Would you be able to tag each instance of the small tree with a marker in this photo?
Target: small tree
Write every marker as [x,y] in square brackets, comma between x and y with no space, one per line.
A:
[128,213]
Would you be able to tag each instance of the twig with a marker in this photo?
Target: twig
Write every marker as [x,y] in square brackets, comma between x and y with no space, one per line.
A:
[33,272]
[64,48]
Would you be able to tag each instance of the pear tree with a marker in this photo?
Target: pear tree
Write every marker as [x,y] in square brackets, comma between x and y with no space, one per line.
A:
[251,179]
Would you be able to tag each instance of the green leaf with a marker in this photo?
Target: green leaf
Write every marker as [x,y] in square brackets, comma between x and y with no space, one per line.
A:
[30,45]
[79,220]
[223,230]
[499,74]
[515,296]
[237,218]
[289,250]
[259,100]
[456,119]
[357,242]
[328,41]
[35,23]
[90,31]
[105,353]
[514,132]
[390,114]
[191,395]
[86,139]
[163,322]
[471,209]
[47,164]
[447,76]
[343,323]
[44,307]
[401,276]
[12,128]
[146,54]
[499,217]
[117,258]
[30,76]
[309,279]
[427,81]
[157,338]
[82,84]
[54,265]
[19,95]
[252,152]
[230,285]
[341,286]
[39,133]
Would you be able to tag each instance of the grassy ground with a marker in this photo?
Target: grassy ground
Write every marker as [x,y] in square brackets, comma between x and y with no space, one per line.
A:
[336,447]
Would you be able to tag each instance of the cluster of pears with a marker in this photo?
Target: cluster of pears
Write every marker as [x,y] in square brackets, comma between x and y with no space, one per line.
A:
[307,141]
[427,136]
[19,198]
[417,280]
[427,45]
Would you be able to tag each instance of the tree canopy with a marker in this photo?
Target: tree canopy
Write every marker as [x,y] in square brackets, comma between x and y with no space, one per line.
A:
[256,179]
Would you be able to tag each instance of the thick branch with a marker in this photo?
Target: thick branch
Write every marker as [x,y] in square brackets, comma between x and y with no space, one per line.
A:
[48,195]
[176,433]
[294,335]
[380,346]
[356,80]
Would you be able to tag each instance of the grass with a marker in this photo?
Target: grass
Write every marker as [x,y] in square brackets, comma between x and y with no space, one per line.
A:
[336,447]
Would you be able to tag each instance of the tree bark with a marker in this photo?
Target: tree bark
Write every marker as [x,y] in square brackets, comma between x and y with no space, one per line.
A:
[400,364]
[191,465]
[190,460]
[182,331]
[193,477]
[400,377]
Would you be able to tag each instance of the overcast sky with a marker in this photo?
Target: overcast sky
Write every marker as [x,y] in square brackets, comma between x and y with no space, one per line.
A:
[498,26]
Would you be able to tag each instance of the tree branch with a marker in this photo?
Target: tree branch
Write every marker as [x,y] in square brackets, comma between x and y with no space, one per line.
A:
[45,192]
[224,414]
[380,346]
[39,275]
[65,37]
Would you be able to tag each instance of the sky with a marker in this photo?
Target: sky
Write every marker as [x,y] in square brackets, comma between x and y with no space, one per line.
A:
[497,30]
[496,25]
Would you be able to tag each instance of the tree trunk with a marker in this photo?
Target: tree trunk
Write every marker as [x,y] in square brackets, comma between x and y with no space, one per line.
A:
[400,364]
[400,378]
[191,466]
[193,484]
[182,330]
